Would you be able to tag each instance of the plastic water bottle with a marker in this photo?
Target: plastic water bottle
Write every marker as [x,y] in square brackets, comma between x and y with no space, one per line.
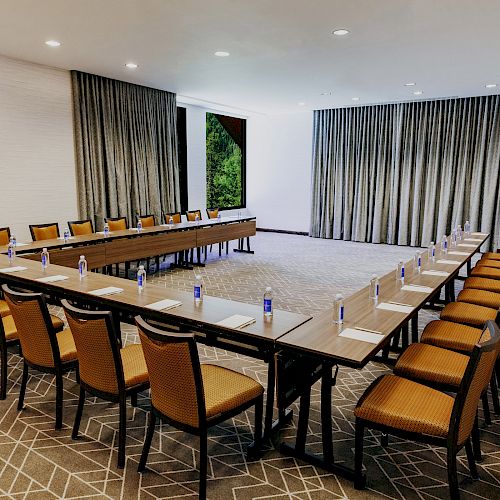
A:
[170,221]
[197,218]
[400,276]
[218,216]
[66,234]
[432,251]
[45,259]
[374,287]
[11,251]
[444,244]
[268,302]
[14,240]
[454,238]
[139,225]
[459,232]
[106,230]
[418,261]
[198,289]
[141,279]
[338,309]
[467,228]
[82,267]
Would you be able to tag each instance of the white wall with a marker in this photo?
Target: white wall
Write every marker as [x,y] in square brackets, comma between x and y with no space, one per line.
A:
[37,165]
[279,151]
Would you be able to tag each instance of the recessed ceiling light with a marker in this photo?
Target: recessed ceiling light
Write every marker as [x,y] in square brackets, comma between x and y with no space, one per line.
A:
[418,92]
[490,85]
[131,65]
[341,32]
[410,84]
[355,98]
[301,103]
[221,53]
[52,43]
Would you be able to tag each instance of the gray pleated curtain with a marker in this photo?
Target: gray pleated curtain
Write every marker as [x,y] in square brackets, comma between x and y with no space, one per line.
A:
[406,173]
[126,149]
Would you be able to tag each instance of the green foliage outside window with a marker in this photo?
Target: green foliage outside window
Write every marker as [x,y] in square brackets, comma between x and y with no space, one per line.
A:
[223,167]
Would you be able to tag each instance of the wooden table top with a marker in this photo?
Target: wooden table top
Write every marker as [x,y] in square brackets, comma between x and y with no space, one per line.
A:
[320,336]
[207,314]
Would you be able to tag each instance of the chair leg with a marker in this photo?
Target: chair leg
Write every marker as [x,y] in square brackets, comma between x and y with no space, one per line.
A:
[486,409]
[133,399]
[384,440]
[59,400]
[203,464]
[78,416]
[147,442]
[122,432]
[257,435]
[471,460]
[22,392]
[3,382]
[359,479]
[476,443]
[452,474]
[494,395]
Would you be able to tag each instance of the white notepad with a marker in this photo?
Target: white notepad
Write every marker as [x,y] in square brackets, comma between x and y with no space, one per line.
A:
[446,261]
[236,321]
[355,334]
[14,269]
[454,252]
[163,305]
[467,245]
[479,234]
[51,279]
[395,308]
[417,288]
[473,239]
[436,273]
[62,238]
[109,290]
[21,244]
[102,232]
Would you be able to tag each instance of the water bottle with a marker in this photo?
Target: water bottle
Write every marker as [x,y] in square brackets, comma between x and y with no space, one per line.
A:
[338,309]
[197,218]
[11,251]
[432,251]
[66,234]
[268,302]
[45,259]
[444,244]
[82,267]
[454,238]
[418,261]
[141,278]
[139,225]
[467,228]
[400,276]
[218,216]
[198,289]
[106,230]
[14,240]
[459,233]
[170,221]
[374,287]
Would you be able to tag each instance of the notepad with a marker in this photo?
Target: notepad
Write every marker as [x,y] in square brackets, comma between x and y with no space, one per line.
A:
[458,253]
[14,269]
[446,261]
[109,290]
[468,245]
[355,334]
[163,305]
[479,234]
[395,308]
[417,288]
[102,232]
[435,273]
[21,244]
[64,239]
[236,321]
[52,279]
[473,239]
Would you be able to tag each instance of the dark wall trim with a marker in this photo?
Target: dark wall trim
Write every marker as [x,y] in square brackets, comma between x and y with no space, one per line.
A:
[265,230]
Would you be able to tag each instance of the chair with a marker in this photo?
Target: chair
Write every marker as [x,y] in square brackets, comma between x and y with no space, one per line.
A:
[116,223]
[44,231]
[8,338]
[80,227]
[489,263]
[480,297]
[490,285]
[4,236]
[176,217]
[190,396]
[107,370]
[469,314]
[181,256]
[147,220]
[491,255]
[191,215]
[213,213]
[485,272]
[44,348]
[402,407]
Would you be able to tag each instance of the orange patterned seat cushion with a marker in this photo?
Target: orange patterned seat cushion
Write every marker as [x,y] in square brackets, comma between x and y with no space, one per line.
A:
[468,314]
[135,371]
[117,225]
[406,405]
[480,298]
[148,221]
[82,228]
[486,272]
[4,237]
[492,255]
[491,285]
[67,348]
[489,263]
[10,328]
[226,389]
[451,335]
[4,309]
[45,233]
[428,363]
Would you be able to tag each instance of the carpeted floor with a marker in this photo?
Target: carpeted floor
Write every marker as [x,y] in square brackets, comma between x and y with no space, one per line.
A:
[305,274]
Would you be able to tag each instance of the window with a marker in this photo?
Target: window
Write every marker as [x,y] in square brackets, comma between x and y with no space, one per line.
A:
[226,158]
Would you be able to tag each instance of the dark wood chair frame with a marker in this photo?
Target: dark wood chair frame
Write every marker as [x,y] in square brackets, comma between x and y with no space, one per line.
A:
[182,257]
[4,346]
[76,222]
[117,266]
[33,226]
[157,257]
[450,442]
[198,249]
[204,424]
[60,367]
[7,229]
[123,392]
[221,244]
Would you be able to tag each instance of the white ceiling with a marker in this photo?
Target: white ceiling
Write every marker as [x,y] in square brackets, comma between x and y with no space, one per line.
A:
[282,51]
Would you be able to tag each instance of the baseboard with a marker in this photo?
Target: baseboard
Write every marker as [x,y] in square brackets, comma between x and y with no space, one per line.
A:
[283,231]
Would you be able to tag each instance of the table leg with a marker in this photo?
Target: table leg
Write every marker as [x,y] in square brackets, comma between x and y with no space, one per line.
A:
[241,243]
[414,328]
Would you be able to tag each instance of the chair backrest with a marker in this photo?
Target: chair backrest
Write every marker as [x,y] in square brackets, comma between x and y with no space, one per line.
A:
[148,220]
[116,223]
[4,236]
[44,231]
[80,227]
[34,327]
[174,374]
[475,381]
[212,213]
[191,215]
[97,347]
[176,216]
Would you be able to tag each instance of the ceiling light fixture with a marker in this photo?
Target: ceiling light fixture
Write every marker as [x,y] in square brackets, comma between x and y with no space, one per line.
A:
[221,53]
[418,92]
[355,98]
[131,65]
[410,84]
[52,43]
[341,32]
[490,85]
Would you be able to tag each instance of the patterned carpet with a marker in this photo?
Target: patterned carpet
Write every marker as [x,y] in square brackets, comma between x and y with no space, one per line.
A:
[38,462]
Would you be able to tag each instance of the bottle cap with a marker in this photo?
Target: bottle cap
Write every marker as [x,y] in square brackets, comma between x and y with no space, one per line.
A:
[269,289]
[401,261]
[44,250]
[339,296]
[431,243]
[198,277]
[374,277]
[82,256]
[141,268]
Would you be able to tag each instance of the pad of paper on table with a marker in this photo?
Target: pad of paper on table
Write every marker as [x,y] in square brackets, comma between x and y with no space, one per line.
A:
[387,306]
[417,288]
[21,244]
[479,234]
[435,273]
[163,305]
[453,252]
[446,261]
[355,334]
[236,321]
[63,238]
[14,269]
[473,239]
[52,279]
[109,290]
[467,245]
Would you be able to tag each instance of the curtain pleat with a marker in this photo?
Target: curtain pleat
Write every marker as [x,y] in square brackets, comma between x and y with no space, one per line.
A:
[126,149]
[406,173]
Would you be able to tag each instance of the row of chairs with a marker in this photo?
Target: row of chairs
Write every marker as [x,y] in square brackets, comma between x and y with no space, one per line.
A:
[184,393]
[456,354]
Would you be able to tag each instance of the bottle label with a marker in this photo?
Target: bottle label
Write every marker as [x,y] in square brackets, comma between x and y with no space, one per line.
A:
[341,313]
[268,305]
[44,260]
[140,280]
[433,252]
[419,261]
[403,272]
[10,252]
[197,292]
[377,290]
[80,268]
